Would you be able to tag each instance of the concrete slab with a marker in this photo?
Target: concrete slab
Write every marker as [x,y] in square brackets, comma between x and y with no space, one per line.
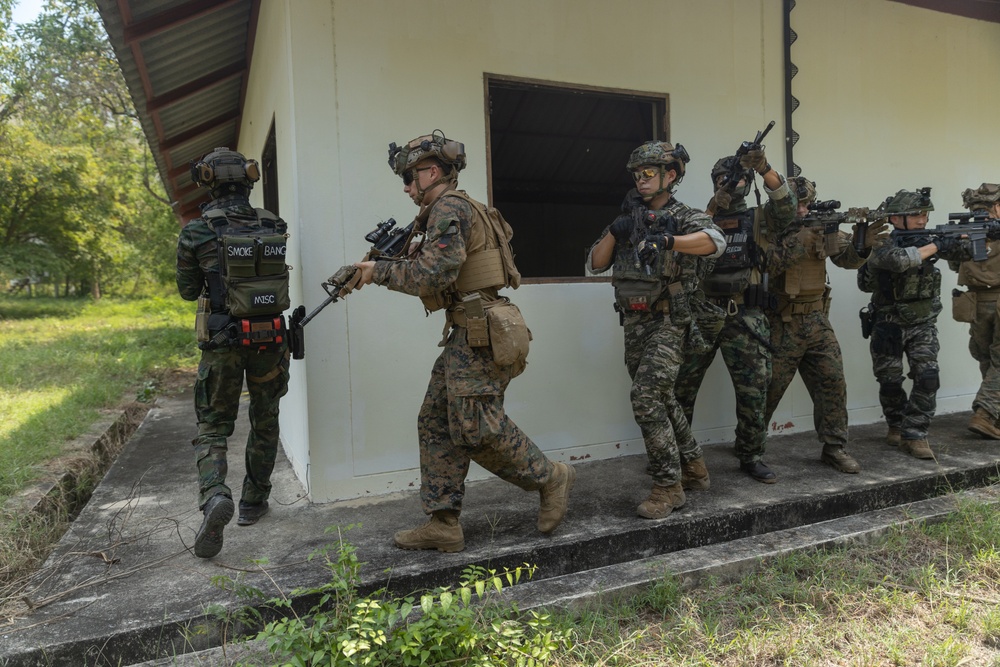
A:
[122,587]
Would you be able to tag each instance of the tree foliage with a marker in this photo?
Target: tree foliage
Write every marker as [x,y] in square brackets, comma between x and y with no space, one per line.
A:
[77,207]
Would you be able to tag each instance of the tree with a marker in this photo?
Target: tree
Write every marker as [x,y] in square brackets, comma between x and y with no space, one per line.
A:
[76,200]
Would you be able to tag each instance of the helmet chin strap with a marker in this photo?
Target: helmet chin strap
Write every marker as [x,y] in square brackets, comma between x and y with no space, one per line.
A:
[663,188]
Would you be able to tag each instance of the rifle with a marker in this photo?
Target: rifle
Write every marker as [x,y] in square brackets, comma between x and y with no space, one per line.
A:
[825,214]
[977,233]
[388,243]
[732,177]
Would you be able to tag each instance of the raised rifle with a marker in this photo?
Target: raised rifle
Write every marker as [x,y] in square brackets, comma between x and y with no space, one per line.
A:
[388,242]
[731,179]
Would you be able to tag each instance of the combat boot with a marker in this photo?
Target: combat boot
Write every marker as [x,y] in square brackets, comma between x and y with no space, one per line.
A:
[694,475]
[985,425]
[662,500]
[918,448]
[554,497]
[218,512]
[836,457]
[894,437]
[442,532]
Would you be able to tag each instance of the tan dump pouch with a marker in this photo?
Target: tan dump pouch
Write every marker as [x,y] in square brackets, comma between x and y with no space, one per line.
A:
[509,336]
[963,306]
[435,302]
[481,270]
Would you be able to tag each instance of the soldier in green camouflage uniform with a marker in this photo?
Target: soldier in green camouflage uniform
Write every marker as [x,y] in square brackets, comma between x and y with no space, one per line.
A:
[462,418]
[983,295]
[654,247]
[735,284]
[906,287]
[801,334]
[224,365]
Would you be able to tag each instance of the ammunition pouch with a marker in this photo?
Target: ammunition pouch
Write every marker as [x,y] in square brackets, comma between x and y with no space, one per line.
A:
[201,319]
[963,306]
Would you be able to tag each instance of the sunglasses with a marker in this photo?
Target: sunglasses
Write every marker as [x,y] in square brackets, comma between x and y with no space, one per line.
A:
[408,175]
[644,174]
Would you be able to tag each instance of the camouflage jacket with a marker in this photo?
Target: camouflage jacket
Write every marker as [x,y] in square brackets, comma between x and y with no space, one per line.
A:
[435,266]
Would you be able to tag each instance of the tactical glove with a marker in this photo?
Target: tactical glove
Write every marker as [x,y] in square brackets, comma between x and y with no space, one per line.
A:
[875,234]
[947,245]
[720,201]
[650,249]
[622,228]
[756,160]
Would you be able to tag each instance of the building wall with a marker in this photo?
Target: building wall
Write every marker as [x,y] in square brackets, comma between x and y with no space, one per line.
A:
[344,78]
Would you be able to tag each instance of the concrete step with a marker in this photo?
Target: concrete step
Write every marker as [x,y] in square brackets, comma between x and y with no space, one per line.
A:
[122,587]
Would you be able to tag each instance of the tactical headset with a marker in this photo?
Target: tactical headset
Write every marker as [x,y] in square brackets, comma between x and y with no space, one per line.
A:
[224,166]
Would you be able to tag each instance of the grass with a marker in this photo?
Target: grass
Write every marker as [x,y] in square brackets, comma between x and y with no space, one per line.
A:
[922,595]
[64,363]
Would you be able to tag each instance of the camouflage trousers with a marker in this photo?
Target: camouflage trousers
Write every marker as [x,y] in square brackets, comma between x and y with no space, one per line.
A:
[808,345]
[654,350]
[984,345]
[749,363]
[462,419]
[216,402]
[919,342]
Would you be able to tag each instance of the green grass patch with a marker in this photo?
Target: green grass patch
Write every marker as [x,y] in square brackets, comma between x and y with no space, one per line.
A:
[63,361]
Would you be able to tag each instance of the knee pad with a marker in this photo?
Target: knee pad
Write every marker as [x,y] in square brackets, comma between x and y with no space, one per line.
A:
[929,380]
[890,388]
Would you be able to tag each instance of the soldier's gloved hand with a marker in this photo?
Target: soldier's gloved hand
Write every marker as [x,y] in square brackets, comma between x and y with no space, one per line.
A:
[651,247]
[947,245]
[756,160]
[876,233]
[621,228]
[993,229]
[720,201]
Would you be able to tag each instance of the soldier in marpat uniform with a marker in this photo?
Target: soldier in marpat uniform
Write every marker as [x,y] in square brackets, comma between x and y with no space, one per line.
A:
[462,262]
[738,284]
[980,303]
[801,334]
[653,247]
[906,286]
[232,261]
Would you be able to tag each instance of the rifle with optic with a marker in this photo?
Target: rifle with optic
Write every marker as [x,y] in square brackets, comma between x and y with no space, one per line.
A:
[388,242]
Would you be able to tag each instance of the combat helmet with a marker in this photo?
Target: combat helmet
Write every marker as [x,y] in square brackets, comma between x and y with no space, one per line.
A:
[433,145]
[224,170]
[804,189]
[660,154]
[982,198]
[909,202]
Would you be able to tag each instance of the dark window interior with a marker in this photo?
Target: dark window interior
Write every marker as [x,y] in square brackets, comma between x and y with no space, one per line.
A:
[269,172]
[557,165]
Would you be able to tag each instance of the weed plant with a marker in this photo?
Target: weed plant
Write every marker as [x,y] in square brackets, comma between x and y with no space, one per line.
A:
[462,625]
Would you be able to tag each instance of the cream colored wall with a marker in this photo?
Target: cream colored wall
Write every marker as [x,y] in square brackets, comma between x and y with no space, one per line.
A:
[366,73]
